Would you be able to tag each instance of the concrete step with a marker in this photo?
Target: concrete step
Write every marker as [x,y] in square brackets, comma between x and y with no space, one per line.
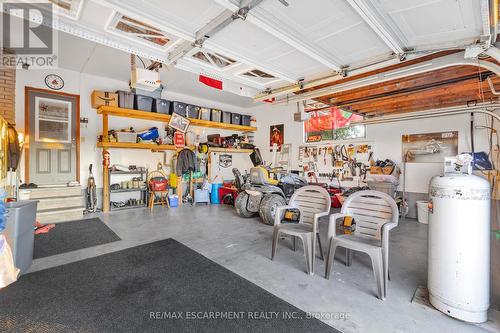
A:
[50,192]
[60,215]
[59,203]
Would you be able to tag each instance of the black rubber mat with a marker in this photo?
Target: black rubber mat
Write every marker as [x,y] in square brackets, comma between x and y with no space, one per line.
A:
[158,287]
[71,236]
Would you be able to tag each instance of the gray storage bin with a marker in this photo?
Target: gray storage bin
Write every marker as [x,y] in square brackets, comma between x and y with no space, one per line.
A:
[192,111]
[386,187]
[161,105]
[125,99]
[226,117]
[179,108]
[236,119]
[204,114]
[20,231]
[216,115]
[143,103]
[245,120]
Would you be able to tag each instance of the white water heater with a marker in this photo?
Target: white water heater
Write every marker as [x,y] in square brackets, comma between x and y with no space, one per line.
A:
[459,246]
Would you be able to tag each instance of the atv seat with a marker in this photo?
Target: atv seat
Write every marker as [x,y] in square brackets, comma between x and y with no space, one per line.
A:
[260,176]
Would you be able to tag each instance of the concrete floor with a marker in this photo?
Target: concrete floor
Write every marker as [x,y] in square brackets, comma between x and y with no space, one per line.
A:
[244,246]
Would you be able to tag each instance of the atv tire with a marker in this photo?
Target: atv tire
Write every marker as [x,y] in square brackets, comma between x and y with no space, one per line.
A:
[241,205]
[268,207]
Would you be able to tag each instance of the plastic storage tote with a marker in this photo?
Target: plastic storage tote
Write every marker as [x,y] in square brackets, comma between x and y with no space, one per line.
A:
[386,187]
[245,120]
[204,114]
[179,108]
[125,99]
[143,103]
[236,119]
[226,117]
[126,137]
[161,105]
[216,115]
[20,231]
[173,200]
[192,111]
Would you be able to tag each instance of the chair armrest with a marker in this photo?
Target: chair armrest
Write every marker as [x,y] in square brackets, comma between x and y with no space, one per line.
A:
[316,218]
[386,228]
[280,211]
[332,224]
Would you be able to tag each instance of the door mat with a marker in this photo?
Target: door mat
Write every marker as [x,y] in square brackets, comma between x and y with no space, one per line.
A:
[158,287]
[71,236]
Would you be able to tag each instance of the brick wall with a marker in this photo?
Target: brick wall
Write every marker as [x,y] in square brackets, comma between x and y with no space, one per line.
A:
[7,94]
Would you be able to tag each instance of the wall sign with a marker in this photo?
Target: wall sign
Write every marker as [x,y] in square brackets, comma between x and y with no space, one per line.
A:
[429,147]
[54,82]
[225,160]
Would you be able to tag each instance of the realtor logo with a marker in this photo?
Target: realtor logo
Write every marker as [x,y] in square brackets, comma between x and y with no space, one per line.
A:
[28,34]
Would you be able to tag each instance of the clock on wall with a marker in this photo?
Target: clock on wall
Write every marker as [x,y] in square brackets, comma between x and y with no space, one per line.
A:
[54,82]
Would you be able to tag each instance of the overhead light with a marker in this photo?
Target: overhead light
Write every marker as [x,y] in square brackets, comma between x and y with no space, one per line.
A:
[284,2]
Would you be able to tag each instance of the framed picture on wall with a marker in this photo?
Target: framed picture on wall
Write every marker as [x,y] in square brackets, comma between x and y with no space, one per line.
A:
[276,135]
[179,122]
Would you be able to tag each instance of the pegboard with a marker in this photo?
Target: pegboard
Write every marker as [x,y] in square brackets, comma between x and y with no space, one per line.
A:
[326,160]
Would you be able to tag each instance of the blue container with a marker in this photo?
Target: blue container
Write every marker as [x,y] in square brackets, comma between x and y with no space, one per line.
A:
[214,194]
[173,200]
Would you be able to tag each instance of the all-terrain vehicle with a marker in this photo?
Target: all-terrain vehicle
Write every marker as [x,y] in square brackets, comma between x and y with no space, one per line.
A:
[263,194]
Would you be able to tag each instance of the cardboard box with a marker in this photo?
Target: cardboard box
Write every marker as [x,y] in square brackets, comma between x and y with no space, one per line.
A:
[103,98]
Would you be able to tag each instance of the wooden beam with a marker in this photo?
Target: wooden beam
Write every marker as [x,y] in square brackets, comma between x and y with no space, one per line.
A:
[426,79]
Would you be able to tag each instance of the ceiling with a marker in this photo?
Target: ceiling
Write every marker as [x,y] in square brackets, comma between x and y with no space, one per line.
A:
[263,44]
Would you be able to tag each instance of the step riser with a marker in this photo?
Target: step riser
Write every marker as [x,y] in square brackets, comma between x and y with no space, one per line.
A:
[59,216]
[59,203]
[44,193]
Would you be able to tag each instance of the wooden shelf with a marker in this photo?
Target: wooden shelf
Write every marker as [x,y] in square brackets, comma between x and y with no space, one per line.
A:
[129,113]
[229,150]
[131,145]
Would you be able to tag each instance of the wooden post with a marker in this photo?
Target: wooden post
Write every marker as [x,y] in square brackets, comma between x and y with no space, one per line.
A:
[105,168]
[105,189]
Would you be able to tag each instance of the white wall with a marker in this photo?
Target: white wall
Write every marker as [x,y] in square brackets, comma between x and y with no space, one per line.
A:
[83,85]
[386,138]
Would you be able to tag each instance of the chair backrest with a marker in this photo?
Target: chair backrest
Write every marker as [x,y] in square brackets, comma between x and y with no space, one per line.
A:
[311,200]
[370,210]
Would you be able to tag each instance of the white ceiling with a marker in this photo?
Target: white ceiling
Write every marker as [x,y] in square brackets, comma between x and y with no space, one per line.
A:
[304,40]
[91,58]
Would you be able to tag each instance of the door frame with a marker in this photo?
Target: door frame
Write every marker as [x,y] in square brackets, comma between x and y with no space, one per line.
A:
[27,90]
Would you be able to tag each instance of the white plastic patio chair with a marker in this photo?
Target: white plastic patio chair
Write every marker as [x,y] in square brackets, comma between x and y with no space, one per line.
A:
[312,202]
[375,214]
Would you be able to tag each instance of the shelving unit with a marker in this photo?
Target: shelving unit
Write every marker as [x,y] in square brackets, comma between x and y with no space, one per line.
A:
[107,111]
[142,190]
[130,145]
[129,113]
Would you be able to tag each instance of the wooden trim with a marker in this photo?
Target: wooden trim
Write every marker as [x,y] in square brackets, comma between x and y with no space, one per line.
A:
[137,114]
[27,91]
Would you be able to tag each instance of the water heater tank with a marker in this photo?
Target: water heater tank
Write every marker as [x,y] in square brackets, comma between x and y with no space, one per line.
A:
[459,246]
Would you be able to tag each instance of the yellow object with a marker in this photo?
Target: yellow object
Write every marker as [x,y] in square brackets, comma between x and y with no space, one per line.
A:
[173,180]
[268,179]
[348,225]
